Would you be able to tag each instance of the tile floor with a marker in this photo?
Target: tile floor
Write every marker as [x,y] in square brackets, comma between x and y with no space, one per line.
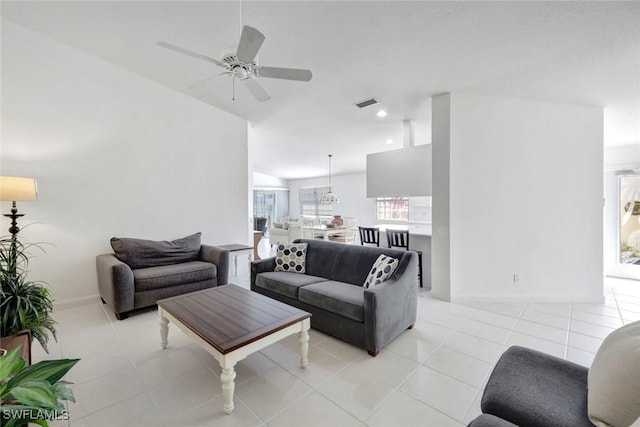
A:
[431,375]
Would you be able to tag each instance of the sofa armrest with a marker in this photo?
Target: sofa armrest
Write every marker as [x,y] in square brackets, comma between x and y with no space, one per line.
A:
[391,307]
[535,389]
[115,283]
[219,257]
[261,266]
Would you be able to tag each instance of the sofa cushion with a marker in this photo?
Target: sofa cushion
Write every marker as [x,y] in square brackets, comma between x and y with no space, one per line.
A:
[381,270]
[534,389]
[146,279]
[139,253]
[614,379]
[285,283]
[291,257]
[341,298]
[488,420]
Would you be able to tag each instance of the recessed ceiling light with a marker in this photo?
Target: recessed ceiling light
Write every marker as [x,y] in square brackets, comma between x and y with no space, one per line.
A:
[381,113]
[389,141]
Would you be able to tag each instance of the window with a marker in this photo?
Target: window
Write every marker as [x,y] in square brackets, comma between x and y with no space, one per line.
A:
[392,208]
[310,201]
[414,209]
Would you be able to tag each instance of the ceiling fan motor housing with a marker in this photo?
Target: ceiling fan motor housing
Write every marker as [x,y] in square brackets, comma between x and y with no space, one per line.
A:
[238,69]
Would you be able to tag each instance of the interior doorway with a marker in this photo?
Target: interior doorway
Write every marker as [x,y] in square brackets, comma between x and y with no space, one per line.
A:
[268,206]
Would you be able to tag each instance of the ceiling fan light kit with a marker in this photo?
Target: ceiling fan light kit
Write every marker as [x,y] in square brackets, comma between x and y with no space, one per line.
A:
[242,63]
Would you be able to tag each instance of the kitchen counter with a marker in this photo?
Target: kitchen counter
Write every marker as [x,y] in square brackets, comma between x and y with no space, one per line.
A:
[417,229]
[419,239]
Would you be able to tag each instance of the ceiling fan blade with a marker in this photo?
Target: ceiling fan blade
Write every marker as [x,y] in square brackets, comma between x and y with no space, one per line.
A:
[250,42]
[256,90]
[190,53]
[285,73]
[199,82]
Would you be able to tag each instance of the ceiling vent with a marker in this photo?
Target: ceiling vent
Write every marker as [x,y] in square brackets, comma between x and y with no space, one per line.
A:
[366,103]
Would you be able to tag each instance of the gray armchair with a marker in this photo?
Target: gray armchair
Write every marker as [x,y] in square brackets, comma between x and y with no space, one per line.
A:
[141,272]
[528,388]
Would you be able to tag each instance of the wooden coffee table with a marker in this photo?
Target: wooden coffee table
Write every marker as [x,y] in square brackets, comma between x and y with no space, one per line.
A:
[231,323]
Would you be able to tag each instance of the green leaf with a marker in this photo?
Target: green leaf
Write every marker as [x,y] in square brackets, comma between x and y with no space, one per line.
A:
[63,392]
[36,393]
[51,371]
[10,363]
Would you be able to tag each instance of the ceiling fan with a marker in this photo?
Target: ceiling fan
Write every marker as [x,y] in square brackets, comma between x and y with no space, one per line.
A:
[241,63]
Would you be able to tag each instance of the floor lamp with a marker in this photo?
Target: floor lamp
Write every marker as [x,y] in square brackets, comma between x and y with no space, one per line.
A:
[17,189]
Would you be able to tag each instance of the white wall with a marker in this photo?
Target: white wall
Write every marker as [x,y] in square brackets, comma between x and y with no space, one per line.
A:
[261,180]
[114,155]
[400,173]
[440,197]
[622,156]
[351,189]
[525,199]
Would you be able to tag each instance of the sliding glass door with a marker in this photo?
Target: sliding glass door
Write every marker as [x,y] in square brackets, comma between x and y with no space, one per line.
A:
[625,225]
[629,224]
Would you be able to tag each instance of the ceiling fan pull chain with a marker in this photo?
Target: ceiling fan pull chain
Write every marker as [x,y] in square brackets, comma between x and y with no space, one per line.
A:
[233,88]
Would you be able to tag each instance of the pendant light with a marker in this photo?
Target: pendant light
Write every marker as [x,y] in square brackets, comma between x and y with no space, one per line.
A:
[329,197]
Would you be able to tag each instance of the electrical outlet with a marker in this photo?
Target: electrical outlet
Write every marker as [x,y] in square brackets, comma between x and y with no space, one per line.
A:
[516,278]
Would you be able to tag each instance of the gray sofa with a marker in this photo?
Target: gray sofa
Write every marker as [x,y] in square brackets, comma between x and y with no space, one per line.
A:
[331,290]
[141,272]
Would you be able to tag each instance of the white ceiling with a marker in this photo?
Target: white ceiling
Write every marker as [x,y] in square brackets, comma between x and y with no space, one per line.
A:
[399,52]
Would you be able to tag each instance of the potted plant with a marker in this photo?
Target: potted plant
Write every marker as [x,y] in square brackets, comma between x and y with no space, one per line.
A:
[24,304]
[33,394]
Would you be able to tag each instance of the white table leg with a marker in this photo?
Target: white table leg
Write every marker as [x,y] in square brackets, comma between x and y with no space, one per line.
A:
[164,331]
[235,264]
[227,377]
[303,337]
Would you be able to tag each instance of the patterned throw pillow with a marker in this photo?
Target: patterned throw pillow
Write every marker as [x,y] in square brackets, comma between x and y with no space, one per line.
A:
[382,269]
[291,257]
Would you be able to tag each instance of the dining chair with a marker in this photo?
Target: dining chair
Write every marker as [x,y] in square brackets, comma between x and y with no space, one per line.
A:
[400,239]
[347,233]
[369,236]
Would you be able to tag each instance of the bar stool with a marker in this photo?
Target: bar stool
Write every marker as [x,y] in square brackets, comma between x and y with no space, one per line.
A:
[369,236]
[400,239]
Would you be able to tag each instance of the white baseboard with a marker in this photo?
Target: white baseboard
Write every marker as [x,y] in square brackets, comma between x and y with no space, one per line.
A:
[75,302]
[526,298]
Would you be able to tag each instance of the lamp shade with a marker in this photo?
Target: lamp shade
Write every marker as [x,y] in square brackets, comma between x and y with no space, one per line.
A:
[18,189]
[329,197]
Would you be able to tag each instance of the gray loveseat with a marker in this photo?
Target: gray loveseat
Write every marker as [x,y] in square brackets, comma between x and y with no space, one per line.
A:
[331,290]
[141,272]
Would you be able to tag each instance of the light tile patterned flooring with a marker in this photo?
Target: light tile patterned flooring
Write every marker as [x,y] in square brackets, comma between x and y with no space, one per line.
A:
[431,375]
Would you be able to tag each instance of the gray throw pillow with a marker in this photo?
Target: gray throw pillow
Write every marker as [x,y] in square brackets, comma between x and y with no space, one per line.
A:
[613,398]
[139,253]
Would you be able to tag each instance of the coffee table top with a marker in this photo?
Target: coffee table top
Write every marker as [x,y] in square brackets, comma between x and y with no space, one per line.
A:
[229,317]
